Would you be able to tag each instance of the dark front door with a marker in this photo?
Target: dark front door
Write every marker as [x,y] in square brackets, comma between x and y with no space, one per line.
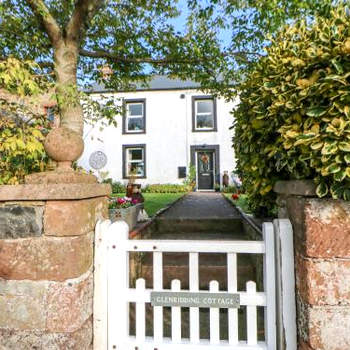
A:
[205,170]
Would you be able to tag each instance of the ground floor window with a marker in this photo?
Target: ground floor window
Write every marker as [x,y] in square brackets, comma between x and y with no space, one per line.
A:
[134,159]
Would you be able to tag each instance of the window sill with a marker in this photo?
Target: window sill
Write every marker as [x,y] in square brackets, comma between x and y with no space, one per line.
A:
[136,178]
[134,132]
[205,130]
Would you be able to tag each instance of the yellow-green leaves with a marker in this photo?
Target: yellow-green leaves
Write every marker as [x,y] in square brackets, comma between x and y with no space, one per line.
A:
[316,112]
[21,150]
[322,190]
[302,90]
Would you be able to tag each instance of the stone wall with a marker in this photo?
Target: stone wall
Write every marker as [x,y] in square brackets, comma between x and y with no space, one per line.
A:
[46,264]
[322,265]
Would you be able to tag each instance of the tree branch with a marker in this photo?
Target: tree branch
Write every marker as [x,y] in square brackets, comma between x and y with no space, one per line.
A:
[44,16]
[124,59]
[159,61]
[84,11]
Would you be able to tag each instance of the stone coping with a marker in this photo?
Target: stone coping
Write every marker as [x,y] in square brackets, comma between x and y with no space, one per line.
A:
[305,188]
[45,192]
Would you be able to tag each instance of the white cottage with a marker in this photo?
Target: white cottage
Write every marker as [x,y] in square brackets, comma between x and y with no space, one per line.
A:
[166,127]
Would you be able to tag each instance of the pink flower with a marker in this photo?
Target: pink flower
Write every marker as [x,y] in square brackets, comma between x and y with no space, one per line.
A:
[135,201]
[121,200]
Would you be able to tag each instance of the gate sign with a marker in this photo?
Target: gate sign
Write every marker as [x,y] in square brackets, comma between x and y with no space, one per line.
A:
[201,299]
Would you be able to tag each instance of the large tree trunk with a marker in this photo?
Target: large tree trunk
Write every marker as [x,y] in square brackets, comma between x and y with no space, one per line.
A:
[66,60]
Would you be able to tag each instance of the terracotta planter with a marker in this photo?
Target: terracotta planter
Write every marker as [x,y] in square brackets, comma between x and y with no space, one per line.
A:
[129,215]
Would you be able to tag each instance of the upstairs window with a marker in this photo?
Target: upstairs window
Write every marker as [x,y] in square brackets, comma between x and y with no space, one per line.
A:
[204,113]
[134,161]
[135,116]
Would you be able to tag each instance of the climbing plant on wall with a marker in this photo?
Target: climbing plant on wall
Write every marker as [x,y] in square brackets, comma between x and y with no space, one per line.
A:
[293,121]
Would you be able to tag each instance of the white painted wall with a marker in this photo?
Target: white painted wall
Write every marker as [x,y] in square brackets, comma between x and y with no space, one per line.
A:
[168,136]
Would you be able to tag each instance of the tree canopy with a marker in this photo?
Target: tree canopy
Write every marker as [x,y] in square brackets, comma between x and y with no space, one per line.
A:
[70,40]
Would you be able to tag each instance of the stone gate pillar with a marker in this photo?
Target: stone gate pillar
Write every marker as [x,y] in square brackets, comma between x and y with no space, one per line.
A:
[46,262]
[322,265]
[46,253]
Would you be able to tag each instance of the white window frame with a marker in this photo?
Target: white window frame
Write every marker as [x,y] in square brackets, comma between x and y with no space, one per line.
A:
[128,117]
[196,113]
[130,161]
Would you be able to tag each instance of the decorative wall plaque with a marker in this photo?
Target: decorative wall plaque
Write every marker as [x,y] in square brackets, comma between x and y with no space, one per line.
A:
[98,160]
[199,299]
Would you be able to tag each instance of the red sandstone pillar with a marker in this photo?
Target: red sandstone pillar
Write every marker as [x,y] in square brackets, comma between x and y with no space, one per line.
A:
[46,264]
[322,265]
[46,253]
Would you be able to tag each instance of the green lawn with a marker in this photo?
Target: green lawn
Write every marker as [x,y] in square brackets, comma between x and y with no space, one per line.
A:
[156,201]
[240,202]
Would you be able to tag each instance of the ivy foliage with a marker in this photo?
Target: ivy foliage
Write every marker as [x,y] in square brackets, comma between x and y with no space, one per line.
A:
[293,120]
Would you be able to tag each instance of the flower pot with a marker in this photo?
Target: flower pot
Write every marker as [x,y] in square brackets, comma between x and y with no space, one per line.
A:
[129,215]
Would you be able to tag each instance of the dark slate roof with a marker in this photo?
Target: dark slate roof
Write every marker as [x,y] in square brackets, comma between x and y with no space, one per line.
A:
[158,82]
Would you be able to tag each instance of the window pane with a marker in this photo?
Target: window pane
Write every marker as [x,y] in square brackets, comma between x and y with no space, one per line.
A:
[135,109]
[137,169]
[135,124]
[135,154]
[205,106]
[205,121]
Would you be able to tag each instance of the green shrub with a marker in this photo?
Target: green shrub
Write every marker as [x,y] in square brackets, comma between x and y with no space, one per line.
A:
[117,187]
[229,189]
[293,120]
[165,188]
[190,181]
[21,149]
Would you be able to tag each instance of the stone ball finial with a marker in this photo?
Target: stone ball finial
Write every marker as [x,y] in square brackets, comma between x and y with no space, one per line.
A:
[64,145]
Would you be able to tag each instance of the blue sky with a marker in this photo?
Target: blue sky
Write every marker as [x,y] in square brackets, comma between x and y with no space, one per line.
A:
[180,23]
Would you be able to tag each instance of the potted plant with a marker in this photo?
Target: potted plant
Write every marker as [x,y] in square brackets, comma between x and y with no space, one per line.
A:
[190,181]
[125,208]
[217,187]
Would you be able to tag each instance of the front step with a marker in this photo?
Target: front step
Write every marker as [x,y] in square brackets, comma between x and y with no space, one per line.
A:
[198,225]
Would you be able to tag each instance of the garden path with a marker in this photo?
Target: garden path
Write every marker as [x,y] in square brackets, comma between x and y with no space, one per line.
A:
[202,205]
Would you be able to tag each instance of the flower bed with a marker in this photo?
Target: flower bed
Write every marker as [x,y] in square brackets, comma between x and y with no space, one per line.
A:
[125,208]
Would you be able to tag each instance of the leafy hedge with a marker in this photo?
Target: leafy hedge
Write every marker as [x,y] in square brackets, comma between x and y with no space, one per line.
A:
[117,187]
[165,188]
[293,121]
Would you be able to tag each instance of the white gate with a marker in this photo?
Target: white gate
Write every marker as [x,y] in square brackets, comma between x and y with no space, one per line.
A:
[113,294]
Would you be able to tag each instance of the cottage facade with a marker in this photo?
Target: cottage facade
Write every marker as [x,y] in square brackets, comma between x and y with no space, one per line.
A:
[164,129]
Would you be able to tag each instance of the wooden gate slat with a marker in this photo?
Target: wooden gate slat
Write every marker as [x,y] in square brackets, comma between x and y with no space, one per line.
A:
[214,317]
[176,315]
[140,313]
[158,285]
[252,322]
[269,286]
[232,288]
[194,287]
